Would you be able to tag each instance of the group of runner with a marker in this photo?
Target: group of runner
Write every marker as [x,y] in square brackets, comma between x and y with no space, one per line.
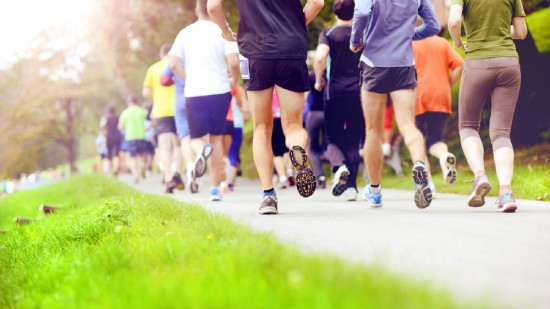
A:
[365,61]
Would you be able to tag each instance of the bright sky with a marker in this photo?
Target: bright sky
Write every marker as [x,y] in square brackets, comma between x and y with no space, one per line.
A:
[22,20]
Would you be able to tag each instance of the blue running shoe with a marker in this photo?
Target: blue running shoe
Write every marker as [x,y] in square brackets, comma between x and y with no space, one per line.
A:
[215,194]
[374,199]
[422,190]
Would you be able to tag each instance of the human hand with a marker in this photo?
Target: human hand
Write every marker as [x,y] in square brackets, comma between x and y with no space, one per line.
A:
[357,48]
[229,35]
[319,85]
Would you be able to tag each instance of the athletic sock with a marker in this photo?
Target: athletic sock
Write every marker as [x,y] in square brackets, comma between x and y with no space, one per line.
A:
[375,189]
[269,192]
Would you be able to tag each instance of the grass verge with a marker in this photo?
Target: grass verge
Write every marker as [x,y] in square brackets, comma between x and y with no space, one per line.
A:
[531,175]
[112,247]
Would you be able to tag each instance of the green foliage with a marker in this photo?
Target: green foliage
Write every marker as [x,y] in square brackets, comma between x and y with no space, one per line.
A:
[112,247]
[539,27]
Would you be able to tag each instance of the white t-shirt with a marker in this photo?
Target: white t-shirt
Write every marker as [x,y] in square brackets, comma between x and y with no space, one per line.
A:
[203,51]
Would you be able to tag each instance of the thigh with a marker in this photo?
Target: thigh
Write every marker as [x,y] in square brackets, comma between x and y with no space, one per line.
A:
[292,106]
[475,86]
[373,109]
[262,109]
[404,104]
[435,126]
[505,94]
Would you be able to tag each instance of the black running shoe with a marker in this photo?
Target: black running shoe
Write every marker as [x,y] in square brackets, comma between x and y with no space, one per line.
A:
[305,178]
[170,186]
[179,183]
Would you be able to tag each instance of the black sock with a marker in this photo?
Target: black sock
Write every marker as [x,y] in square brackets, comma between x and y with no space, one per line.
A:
[375,186]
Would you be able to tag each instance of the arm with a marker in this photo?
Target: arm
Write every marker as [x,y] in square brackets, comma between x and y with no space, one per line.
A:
[363,8]
[455,24]
[312,9]
[455,74]
[215,10]
[147,91]
[234,67]
[175,66]
[320,65]
[519,28]
[430,26]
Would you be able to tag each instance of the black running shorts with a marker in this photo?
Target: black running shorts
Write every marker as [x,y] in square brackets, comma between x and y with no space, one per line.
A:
[164,125]
[290,74]
[387,80]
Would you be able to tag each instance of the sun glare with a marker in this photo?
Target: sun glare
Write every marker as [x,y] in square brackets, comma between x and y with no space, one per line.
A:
[22,21]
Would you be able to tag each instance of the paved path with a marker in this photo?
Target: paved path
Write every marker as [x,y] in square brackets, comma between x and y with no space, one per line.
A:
[473,252]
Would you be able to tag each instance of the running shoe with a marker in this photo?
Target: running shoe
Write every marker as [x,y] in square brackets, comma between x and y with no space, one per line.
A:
[170,186]
[374,199]
[200,162]
[350,194]
[434,192]
[177,180]
[506,202]
[305,178]
[480,189]
[322,182]
[422,191]
[192,181]
[283,182]
[224,188]
[215,194]
[269,205]
[340,180]
[448,167]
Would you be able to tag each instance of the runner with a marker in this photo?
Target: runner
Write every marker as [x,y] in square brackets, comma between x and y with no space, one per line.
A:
[434,57]
[491,67]
[273,36]
[168,78]
[387,67]
[109,124]
[102,151]
[343,118]
[207,59]
[241,114]
[132,122]
[163,121]
[315,126]
[278,145]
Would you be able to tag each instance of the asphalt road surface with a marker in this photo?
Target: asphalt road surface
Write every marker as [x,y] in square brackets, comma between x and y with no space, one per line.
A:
[475,253]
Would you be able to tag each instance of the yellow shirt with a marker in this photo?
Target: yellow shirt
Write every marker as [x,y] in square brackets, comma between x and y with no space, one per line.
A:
[163,97]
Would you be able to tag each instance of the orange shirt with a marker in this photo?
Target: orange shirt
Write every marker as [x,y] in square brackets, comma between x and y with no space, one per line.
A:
[433,58]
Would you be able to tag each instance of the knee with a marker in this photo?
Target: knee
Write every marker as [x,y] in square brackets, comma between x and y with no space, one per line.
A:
[464,133]
[501,142]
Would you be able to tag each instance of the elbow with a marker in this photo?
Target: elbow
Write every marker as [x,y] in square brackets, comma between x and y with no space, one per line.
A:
[522,34]
[319,4]
[212,6]
[454,24]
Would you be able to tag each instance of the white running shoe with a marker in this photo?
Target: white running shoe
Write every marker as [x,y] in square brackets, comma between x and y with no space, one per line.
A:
[339,180]
[434,192]
[448,167]
[350,194]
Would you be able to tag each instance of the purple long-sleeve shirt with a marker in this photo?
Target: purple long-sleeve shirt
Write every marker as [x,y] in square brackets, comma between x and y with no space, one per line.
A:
[387,27]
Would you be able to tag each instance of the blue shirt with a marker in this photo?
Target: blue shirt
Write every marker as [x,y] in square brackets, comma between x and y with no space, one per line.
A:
[180,86]
[387,28]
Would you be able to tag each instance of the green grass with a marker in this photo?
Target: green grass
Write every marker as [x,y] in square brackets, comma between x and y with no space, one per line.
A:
[539,26]
[171,255]
[531,175]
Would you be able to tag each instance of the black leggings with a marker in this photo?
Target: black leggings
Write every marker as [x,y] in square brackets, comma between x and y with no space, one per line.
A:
[315,127]
[432,125]
[345,125]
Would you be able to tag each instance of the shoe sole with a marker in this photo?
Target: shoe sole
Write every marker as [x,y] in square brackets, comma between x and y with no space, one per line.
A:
[477,198]
[305,178]
[180,186]
[200,164]
[268,210]
[422,193]
[508,208]
[215,199]
[449,170]
[341,186]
